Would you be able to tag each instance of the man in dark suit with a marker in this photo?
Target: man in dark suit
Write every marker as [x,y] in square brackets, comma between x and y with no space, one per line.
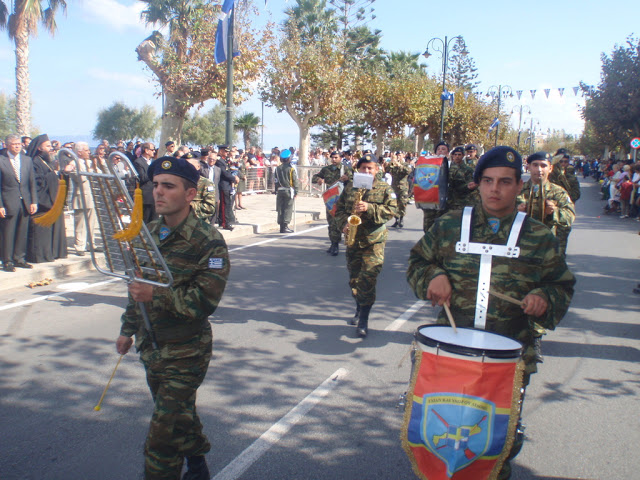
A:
[227,182]
[141,164]
[18,200]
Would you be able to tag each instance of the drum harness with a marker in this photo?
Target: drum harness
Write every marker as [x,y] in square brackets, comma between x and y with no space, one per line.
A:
[486,252]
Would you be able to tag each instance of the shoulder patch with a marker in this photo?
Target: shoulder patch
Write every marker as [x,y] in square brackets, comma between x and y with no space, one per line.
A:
[393,195]
[216,263]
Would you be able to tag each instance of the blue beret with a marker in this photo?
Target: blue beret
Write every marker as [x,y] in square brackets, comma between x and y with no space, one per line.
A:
[539,156]
[498,157]
[284,154]
[174,166]
[442,143]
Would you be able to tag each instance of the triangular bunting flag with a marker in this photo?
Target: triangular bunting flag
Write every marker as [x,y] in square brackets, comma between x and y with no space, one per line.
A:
[561,91]
[519,93]
[533,93]
[466,95]
[575,91]
[546,92]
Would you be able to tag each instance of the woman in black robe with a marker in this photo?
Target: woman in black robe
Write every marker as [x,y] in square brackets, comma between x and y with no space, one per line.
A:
[45,244]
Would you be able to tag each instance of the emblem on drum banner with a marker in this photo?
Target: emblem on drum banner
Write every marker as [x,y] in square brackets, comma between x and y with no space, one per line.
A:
[456,428]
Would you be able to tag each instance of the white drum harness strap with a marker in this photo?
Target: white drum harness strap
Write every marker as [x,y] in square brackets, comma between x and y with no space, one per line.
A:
[486,252]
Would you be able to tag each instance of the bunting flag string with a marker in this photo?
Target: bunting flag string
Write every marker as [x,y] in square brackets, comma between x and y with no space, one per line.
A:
[561,91]
[533,94]
[575,91]
[546,92]
[519,94]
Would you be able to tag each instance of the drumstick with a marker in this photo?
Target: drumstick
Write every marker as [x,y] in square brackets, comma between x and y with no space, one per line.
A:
[450,317]
[506,298]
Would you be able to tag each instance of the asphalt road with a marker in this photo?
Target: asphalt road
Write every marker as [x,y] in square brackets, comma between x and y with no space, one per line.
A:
[291,392]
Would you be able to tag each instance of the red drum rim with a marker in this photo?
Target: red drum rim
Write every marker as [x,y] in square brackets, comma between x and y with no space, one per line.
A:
[422,335]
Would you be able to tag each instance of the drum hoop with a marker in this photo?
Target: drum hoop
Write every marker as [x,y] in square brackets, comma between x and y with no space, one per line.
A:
[464,350]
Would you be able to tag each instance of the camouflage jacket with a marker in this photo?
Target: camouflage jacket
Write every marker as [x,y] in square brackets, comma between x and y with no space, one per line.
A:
[565,212]
[540,269]
[458,194]
[197,257]
[399,174]
[567,180]
[382,208]
[204,205]
[331,174]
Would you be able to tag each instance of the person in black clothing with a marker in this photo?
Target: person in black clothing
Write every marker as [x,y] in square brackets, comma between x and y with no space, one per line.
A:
[226,183]
[141,164]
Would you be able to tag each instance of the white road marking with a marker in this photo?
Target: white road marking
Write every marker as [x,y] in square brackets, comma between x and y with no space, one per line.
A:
[402,319]
[66,292]
[269,438]
[278,238]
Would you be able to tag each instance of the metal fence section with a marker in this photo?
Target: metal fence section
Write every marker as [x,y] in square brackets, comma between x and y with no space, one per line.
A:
[261,179]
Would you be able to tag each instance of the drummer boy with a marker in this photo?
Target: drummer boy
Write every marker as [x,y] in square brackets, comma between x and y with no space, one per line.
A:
[457,262]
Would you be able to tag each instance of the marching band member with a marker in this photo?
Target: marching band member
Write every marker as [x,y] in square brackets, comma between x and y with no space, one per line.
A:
[440,272]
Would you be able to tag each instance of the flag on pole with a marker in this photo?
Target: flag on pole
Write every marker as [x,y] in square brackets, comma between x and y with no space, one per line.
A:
[221,47]
[495,123]
[561,91]
[533,94]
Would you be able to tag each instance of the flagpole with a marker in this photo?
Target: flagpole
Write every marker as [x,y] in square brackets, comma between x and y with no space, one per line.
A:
[229,109]
[499,89]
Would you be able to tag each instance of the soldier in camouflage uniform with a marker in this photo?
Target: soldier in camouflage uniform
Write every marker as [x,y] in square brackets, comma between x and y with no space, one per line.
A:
[472,155]
[197,256]
[287,185]
[430,215]
[559,211]
[366,256]
[462,190]
[204,205]
[329,175]
[539,275]
[564,175]
[400,172]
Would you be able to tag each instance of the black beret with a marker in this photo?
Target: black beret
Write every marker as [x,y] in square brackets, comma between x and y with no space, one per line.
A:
[367,158]
[561,151]
[174,166]
[190,155]
[442,143]
[224,147]
[498,157]
[457,150]
[367,151]
[539,156]
[471,146]
[170,142]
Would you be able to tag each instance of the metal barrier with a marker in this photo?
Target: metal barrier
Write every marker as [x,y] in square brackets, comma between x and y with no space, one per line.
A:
[261,180]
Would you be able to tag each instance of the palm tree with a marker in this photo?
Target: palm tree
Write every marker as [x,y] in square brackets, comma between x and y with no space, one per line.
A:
[21,24]
[247,123]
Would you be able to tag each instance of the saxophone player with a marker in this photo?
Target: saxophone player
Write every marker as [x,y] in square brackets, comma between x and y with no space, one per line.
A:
[375,207]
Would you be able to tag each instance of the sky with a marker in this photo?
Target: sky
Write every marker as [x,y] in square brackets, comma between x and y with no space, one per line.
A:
[91,62]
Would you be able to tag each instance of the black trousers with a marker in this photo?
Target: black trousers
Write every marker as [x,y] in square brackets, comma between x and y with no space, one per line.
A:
[14,231]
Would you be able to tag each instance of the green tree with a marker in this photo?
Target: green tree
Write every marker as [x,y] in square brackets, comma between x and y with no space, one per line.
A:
[613,108]
[7,115]
[312,21]
[462,67]
[206,129]
[21,24]
[120,122]
[247,124]
[183,60]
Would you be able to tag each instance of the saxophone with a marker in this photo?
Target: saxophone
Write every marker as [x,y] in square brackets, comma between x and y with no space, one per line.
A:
[354,220]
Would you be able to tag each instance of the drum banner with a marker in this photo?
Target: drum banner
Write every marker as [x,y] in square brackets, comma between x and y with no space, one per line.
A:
[431,178]
[330,197]
[461,416]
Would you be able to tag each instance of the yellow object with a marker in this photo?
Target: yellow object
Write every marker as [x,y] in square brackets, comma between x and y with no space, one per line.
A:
[97,407]
[354,220]
[49,218]
[135,225]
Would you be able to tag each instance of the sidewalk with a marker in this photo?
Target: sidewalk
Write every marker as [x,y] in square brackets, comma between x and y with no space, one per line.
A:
[258,217]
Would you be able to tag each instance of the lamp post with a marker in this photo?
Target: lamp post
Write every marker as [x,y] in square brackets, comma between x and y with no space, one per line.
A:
[499,90]
[443,47]
[532,135]
[521,108]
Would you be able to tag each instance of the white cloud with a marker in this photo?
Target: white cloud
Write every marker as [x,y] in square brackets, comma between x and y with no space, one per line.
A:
[137,82]
[114,14]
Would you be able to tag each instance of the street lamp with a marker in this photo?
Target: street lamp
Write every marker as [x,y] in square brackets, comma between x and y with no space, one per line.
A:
[532,135]
[521,108]
[499,90]
[443,47]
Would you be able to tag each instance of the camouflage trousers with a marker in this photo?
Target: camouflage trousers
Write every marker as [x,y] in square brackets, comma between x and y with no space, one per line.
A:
[562,235]
[335,234]
[402,197]
[364,265]
[429,218]
[284,207]
[174,373]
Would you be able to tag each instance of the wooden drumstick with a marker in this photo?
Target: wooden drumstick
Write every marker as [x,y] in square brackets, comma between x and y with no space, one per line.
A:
[450,317]
[506,298]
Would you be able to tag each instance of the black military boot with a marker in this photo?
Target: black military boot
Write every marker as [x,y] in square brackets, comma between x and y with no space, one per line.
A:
[395,225]
[355,318]
[336,249]
[400,224]
[363,321]
[197,469]
[284,228]
[330,249]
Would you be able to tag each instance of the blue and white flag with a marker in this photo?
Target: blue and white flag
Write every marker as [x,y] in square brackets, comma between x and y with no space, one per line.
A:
[495,123]
[448,96]
[221,48]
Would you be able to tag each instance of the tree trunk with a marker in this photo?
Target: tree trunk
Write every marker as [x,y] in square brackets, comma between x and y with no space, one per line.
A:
[380,140]
[173,117]
[23,95]
[305,142]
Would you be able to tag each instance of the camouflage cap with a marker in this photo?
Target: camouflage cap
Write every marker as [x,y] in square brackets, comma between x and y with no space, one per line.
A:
[174,166]
[501,156]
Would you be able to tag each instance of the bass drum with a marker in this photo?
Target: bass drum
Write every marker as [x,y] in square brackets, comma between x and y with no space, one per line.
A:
[431,181]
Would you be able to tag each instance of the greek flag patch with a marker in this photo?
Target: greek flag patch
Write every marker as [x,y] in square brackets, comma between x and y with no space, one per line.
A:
[393,195]
[216,263]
